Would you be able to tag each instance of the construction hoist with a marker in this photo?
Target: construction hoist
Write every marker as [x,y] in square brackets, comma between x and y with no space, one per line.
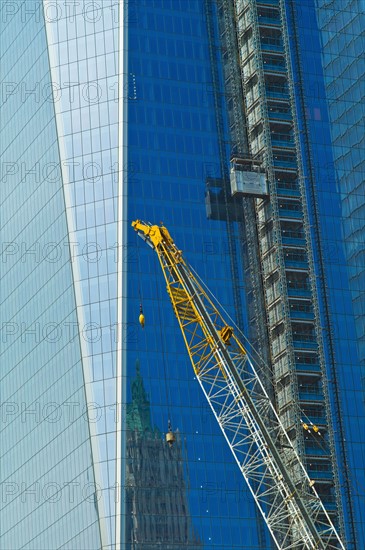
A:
[276,477]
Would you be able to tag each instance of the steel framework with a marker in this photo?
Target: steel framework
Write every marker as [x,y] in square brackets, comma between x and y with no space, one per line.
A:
[277,479]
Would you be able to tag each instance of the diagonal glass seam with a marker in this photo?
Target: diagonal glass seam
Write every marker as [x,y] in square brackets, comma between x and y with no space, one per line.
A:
[121,374]
[86,366]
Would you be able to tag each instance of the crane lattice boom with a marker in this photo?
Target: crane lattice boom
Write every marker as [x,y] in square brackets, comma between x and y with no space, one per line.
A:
[260,444]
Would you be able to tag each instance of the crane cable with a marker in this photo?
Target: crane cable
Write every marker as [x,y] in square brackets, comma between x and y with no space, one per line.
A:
[141,317]
[170,437]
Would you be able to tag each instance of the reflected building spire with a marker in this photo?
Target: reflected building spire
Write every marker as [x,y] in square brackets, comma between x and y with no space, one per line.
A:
[139,410]
[157,504]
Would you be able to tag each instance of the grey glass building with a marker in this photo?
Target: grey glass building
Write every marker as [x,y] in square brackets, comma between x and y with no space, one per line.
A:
[113,111]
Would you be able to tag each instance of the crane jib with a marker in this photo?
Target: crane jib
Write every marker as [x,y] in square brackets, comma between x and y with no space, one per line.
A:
[259,442]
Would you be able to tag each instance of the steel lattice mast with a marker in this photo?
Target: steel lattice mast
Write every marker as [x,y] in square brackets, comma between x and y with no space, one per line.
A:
[260,445]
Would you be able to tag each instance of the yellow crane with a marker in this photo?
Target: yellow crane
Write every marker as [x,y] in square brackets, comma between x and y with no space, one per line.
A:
[269,463]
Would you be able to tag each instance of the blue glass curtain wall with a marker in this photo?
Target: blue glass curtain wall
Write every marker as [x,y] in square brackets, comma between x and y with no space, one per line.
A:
[330,80]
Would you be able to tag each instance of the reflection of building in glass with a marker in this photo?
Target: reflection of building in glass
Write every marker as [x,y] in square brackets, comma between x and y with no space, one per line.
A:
[157,512]
[344,78]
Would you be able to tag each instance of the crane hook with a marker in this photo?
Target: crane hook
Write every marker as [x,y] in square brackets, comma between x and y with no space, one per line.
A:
[170,436]
[141,316]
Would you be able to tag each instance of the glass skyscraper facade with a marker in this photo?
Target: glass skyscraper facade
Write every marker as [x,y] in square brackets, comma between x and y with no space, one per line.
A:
[47,477]
[115,111]
[331,75]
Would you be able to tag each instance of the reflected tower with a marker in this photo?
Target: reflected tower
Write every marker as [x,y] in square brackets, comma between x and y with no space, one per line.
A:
[157,511]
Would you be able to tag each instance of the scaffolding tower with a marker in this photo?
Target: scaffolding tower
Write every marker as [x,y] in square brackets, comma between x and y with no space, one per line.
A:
[262,105]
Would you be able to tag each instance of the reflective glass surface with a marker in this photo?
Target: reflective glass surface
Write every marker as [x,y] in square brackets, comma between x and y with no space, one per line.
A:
[48,497]
[83,50]
[332,47]
[68,119]
[172,149]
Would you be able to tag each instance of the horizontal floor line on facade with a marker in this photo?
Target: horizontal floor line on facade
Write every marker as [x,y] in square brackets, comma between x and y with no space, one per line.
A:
[275,70]
[287,192]
[287,270]
[285,170]
[278,146]
[308,370]
[287,247]
[312,375]
[275,118]
[286,217]
[277,96]
[268,2]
